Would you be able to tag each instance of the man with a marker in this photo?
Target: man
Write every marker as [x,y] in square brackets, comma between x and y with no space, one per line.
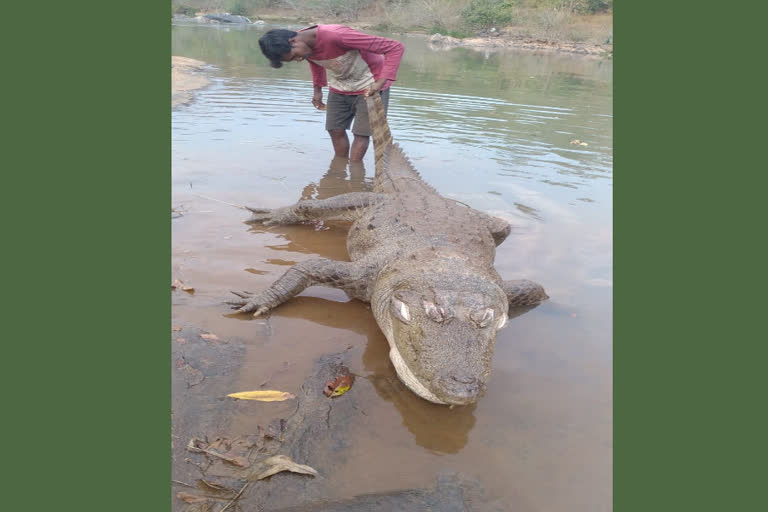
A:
[352,64]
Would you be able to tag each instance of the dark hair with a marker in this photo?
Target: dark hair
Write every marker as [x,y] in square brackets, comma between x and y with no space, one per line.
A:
[275,43]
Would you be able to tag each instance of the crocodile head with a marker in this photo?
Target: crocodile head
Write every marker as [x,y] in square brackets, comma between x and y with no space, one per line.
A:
[441,320]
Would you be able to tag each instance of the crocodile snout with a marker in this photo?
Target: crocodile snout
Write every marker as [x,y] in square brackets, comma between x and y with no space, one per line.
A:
[460,387]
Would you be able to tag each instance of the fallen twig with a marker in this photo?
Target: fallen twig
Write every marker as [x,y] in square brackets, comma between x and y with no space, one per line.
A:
[184,483]
[234,499]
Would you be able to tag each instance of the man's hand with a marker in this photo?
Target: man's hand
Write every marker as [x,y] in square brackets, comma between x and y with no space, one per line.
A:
[375,87]
[317,101]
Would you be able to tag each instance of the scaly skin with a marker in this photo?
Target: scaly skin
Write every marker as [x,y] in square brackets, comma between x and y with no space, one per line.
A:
[424,262]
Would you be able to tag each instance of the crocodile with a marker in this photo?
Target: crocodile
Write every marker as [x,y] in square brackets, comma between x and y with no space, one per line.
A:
[425,264]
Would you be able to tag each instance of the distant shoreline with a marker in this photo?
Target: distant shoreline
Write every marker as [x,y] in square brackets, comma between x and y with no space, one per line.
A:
[505,39]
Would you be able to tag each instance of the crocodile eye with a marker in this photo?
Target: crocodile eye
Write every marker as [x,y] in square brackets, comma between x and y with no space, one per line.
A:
[434,312]
[502,321]
[400,310]
[483,317]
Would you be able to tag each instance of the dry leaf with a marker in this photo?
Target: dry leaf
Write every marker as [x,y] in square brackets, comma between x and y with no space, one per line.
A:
[200,446]
[267,395]
[210,337]
[215,486]
[179,284]
[277,464]
[191,498]
[338,386]
[181,341]
[575,141]
[583,144]
[176,328]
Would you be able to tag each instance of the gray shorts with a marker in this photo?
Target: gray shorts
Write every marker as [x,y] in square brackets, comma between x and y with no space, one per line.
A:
[342,108]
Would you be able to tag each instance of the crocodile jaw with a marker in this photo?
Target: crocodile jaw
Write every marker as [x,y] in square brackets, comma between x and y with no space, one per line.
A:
[409,379]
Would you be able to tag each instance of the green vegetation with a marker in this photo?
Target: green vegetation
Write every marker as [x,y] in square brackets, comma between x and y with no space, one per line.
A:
[562,20]
[486,14]
[185,11]
[238,7]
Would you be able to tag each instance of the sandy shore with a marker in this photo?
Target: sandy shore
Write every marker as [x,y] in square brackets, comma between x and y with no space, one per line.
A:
[186,77]
[438,41]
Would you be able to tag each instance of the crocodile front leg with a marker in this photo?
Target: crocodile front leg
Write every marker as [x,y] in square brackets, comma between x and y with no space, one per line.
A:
[351,277]
[522,292]
[341,207]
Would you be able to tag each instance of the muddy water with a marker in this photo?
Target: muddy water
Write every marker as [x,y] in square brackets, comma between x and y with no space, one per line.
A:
[493,130]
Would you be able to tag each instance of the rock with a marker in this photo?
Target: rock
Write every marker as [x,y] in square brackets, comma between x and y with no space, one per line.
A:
[226,18]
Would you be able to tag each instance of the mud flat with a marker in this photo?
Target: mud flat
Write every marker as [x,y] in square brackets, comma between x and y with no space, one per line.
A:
[187,76]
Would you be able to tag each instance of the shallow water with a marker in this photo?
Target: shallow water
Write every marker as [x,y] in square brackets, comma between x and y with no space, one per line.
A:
[492,130]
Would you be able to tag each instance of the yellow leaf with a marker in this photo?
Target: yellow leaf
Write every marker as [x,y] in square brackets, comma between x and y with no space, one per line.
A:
[266,395]
[179,284]
[340,391]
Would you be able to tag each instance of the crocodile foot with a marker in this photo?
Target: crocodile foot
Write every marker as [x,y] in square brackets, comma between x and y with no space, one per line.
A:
[249,303]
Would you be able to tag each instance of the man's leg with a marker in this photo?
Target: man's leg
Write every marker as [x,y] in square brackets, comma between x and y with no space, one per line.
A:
[359,147]
[340,109]
[361,129]
[340,142]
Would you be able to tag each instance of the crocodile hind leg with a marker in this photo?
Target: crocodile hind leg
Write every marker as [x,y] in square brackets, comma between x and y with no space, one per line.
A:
[522,292]
[499,228]
[341,207]
[349,276]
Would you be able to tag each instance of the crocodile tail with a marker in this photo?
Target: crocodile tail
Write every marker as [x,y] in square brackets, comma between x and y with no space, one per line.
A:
[382,137]
[391,161]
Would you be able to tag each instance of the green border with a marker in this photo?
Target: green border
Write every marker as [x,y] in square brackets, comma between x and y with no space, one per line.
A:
[87,260]
[86,192]
[689,209]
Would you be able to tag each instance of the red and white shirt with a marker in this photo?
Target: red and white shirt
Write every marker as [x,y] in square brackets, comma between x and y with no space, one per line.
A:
[348,61]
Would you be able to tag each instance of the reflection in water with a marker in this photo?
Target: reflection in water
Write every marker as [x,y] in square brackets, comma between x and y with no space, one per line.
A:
[335,182]
[340,178]
[436,428]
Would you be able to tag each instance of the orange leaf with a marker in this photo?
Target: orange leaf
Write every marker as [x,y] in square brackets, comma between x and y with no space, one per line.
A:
[338,386]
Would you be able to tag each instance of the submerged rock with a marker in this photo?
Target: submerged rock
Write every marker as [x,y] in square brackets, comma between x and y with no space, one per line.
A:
[226,18]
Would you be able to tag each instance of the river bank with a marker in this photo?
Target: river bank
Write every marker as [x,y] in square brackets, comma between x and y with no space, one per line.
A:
[531,29]
[186,77]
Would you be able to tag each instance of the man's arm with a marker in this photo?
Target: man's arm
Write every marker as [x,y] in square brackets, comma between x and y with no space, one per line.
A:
[319,81]
[317,98]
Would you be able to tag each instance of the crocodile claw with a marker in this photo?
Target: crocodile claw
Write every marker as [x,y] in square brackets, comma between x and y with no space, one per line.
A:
[246,304]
